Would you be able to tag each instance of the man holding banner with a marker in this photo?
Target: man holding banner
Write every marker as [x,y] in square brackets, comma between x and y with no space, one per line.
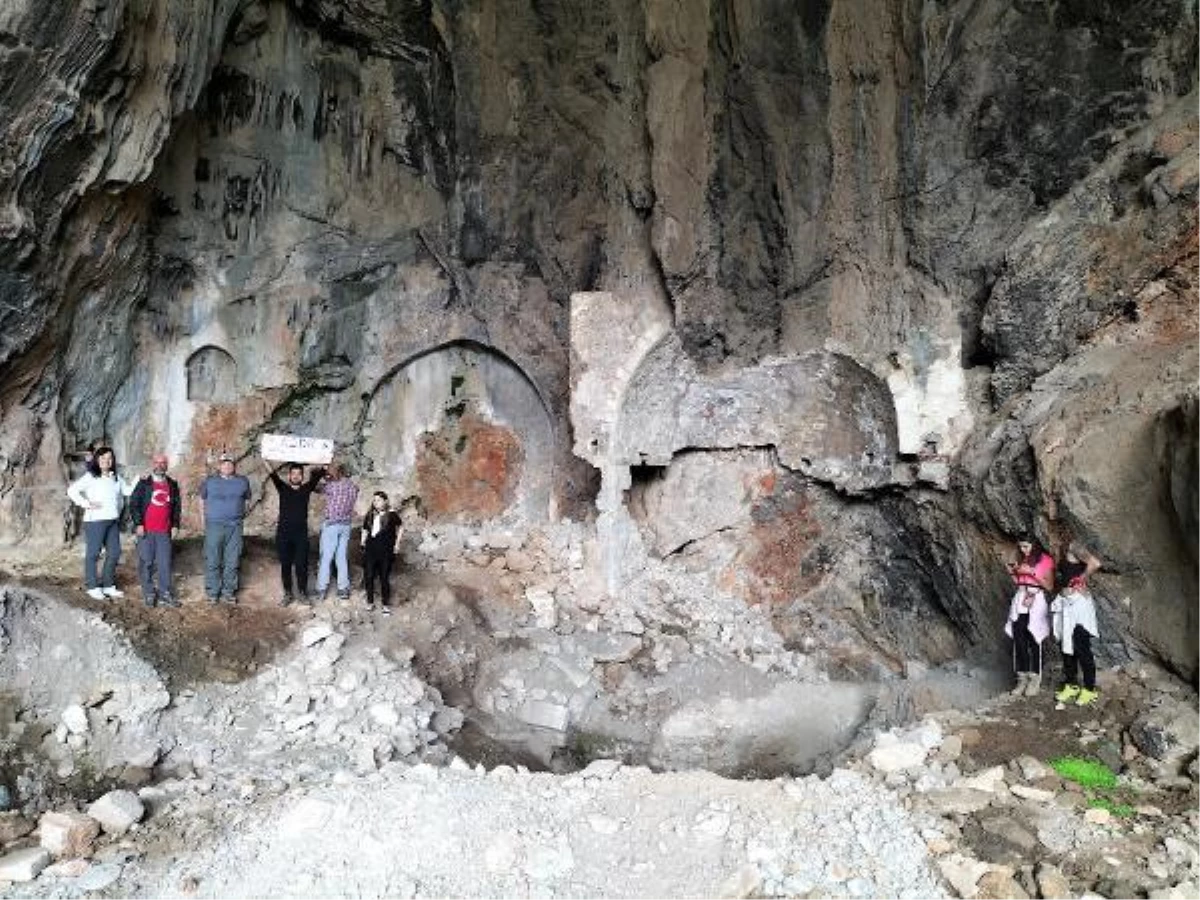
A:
[291,531]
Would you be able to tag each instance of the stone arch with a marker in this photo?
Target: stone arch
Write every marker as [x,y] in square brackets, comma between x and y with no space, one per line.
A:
[464,427]
[211,376]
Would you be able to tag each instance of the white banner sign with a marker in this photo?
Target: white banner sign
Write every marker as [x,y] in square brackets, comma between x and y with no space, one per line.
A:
[288,448]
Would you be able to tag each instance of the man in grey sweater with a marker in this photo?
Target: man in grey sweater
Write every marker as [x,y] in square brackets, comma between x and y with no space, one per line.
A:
[223,497]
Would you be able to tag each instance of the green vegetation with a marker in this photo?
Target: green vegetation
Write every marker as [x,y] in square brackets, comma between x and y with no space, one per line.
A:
[1099,781]
[1086,773]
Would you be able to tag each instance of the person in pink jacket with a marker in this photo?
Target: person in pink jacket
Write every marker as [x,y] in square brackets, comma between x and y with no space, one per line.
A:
[1028,621]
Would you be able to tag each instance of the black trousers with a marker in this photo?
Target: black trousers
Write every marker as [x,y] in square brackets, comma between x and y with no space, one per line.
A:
[378,564]
[292,547]
[1027,653]
[1082,658]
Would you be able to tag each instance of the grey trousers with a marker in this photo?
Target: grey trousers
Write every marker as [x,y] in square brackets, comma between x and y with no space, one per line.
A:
[154,558]
[222,554]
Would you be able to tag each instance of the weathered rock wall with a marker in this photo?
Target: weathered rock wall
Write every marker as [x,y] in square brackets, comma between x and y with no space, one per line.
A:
[366,219]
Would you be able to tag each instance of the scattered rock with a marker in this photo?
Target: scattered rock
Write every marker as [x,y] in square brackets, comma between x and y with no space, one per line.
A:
[75,718]
[1031,793]
[24,865]
[67,834]
[117,811]
[998,884]
[1097,816]
[1052,883]
[892,755]
[13,825]
[962,872]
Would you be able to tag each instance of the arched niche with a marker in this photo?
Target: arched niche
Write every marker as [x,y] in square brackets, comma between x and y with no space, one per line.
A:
[211,376]
[463,427]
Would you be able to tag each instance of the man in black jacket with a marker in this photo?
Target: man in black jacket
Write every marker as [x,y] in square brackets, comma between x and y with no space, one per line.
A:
[291,534]
[154,507]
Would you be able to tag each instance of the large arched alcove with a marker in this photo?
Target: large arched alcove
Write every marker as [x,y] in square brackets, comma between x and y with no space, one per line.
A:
[463,427]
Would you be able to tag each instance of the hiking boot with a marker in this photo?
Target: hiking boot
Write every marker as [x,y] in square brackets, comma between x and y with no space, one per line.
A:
[1067,693]
[287,599]
[343,595]
[1086,697]
[96,594]
[386,610]
[112,592]
[370,607]
[1034,685]
[148,601]
[169,600]
[231,598]
[214,599]
[1022,681]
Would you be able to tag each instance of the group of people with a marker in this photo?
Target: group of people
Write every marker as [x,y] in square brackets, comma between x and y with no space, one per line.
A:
[154,504]
[1070,616]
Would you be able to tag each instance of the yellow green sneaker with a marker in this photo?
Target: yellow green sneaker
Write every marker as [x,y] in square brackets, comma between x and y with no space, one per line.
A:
[1067,693]
[1086,697]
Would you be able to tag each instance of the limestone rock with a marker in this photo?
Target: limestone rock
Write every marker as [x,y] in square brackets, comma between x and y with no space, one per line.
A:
[117,811]
[13,825]
[24,865]
[1052,884]
[67,835]
[999,885]
[75,718]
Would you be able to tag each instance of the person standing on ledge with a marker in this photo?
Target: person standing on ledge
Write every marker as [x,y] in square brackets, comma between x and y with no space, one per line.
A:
[1074,613]
[223,500]
[291,532]
[155,509]
[340,496]
[101,494]
[1028,621]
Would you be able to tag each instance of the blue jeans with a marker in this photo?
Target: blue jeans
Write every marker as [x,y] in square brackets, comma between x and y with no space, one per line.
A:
[335,538]
[97,536]
[222,553]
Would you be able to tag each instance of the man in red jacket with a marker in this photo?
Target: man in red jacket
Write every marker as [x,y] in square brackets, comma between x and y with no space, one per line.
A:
[155,508]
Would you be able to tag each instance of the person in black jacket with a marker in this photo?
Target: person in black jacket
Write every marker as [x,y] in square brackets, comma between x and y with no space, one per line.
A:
[154,507]
[291,534]
[381,535]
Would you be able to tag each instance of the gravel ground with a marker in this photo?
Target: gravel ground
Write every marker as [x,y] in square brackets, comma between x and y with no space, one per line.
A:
[609,831]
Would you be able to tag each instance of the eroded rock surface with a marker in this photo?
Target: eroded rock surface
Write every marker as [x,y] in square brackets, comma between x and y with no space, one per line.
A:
[937,256]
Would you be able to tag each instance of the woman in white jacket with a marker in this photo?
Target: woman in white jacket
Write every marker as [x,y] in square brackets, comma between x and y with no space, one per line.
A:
[1074,614]
[101,494]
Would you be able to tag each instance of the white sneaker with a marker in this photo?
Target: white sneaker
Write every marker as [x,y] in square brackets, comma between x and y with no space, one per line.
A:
[113,592]
[95,593]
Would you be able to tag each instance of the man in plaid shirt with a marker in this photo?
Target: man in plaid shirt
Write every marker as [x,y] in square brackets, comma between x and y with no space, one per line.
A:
[340,495]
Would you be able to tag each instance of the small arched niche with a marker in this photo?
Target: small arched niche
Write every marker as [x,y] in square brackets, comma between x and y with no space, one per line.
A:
[464,428]
[211,376]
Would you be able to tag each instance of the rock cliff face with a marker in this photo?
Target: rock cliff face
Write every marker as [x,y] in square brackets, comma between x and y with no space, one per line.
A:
[936,260]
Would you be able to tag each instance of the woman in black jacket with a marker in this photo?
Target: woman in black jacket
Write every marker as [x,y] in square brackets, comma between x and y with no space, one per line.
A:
[381,535]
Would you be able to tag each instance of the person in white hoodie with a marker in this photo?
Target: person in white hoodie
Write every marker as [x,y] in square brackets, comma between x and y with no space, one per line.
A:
[1075,627]
[101,493]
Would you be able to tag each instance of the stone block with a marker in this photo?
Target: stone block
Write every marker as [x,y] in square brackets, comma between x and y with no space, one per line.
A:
[117,811]
[67,834]
[545,715]
[24,865]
